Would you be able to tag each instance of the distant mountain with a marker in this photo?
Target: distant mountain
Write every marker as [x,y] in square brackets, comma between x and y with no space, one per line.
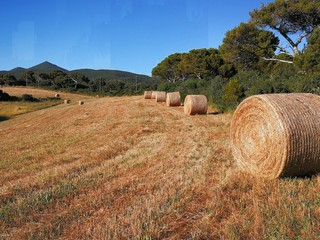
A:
[47,67]
[18,69]
[112,75]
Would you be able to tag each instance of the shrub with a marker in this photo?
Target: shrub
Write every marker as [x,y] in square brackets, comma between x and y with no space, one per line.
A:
[215,91]
[6,97]
[233,94]
[167,87]
[28,98]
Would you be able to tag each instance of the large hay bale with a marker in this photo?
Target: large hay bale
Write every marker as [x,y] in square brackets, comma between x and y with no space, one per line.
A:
[195,104]
[66,101]
[154,94]
[161,96]
[147,94]
[277,135]
[173,99]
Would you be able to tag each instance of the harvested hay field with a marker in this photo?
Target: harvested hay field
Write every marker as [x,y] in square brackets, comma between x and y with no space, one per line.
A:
[126,168]
[41,93]
[48,99]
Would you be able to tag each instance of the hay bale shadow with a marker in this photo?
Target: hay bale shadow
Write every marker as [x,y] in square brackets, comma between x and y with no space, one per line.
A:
[214,113]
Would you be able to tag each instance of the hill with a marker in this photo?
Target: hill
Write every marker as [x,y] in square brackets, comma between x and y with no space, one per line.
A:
[47,67]
[17,72]
[113,74]
[126,167]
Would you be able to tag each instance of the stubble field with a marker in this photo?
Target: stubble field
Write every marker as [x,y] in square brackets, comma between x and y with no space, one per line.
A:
[130,168]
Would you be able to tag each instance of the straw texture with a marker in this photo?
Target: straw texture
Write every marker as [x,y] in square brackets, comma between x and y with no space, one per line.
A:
[195,104]
[277,135]
[154,94]
[173,99]
[147,94]
[161,96]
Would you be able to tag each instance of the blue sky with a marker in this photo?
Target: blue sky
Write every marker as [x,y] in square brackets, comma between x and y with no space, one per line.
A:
[129,35]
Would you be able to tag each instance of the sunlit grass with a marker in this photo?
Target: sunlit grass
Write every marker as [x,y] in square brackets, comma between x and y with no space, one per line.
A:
[11,109]
[124,168]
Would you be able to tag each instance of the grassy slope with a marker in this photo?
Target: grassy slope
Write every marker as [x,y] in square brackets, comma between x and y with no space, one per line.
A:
[123,167]
[11,109]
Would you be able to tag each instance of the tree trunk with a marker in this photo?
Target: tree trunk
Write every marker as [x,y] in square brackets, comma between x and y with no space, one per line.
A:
[296,51]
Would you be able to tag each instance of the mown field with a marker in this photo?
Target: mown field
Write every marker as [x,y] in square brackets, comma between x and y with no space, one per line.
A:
[46,99]
[130,168]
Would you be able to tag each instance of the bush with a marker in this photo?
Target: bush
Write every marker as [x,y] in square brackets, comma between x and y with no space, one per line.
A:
[233,94]
[28,98]
[308,83]
[215,91]
[5,96]
[167,87]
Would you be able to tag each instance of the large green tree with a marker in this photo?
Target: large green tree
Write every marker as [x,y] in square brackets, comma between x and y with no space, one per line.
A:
[79,80]
[310,58]
[197,63]
[294,20]
[8,79]
[168,69]
[201,63]
[246,45]
[29,77]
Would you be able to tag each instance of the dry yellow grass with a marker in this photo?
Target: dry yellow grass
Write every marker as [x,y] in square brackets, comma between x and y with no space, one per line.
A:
[40,93]
[11,109]
[121,168]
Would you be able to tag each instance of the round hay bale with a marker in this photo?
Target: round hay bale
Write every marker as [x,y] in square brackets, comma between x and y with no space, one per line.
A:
[66,101]
[195,104]
[173,99]
[147,94]
[57,95]
[277,135]
[161,96]
[81,102]
[154,94]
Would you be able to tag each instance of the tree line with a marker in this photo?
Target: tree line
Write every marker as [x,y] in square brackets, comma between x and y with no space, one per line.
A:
[277,50]
[75,81]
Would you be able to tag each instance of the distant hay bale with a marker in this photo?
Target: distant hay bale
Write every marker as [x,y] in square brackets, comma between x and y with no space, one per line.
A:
[57,95]
[195,104]
[66,101]
[161,96]
[277,135]
[173,99]
[81,102]
[154,95]
[147,94]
